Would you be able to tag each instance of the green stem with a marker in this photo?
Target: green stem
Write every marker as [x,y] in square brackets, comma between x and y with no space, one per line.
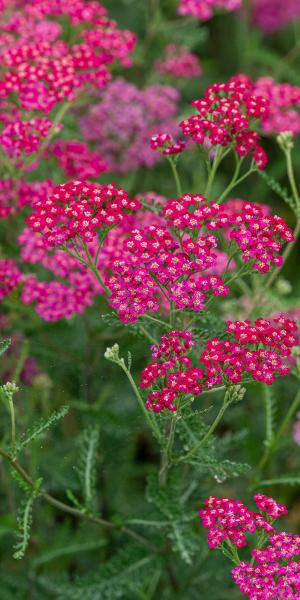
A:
[273,446]
[208,434]
[158,321]
[149,419]
[235,181]
[176,176]
[166,454]
[291,176]
[12,424]
[213,171]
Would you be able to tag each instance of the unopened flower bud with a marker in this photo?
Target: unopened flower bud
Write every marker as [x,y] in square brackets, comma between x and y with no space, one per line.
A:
[285,140]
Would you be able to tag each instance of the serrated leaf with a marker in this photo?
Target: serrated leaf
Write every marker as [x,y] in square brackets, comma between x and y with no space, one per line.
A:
[87,464]
[24,519]
[278,189]
[289,480]
[42,426]
[270,409]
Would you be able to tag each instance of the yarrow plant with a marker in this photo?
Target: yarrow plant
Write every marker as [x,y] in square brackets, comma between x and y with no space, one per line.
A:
[185,290]
[273,572]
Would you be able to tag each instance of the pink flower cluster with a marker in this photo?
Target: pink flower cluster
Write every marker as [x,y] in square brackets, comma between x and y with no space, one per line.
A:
[172,376]
[228,519]
[78,208]
[76,159]
[179,62]
[222,361]
[203,9]
[122,135]
[284,110]
[259,236]
[56,299]
[15,194]
[9,277]
[43,70]
[133,291]
[192,211]
[257,349]
[225,116]
[272,15]
[24,136]
[274,574]
[164,143]
[172,269]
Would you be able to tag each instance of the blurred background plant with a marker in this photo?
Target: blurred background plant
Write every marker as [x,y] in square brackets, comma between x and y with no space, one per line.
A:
[86,526]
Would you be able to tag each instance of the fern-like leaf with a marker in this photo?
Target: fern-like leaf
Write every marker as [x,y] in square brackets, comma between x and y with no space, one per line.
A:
[288,480]
[278,189]
[87,464]
[270,409]
[42,426]
[25,521]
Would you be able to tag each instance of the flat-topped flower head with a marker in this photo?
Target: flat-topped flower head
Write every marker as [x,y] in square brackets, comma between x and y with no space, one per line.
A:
[274,571]
[226,115]
[229,519]
[257,349]
[79,208]
[165,144]
[192,211]
[172,375]
[179,63]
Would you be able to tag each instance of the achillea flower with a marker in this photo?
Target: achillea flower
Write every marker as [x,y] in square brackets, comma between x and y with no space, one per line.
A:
[272,15]
[123,134]
[15,194]
[229,519]
[24,136]
[270,506]
[172,376]
[79,208]
[284,110]
[179,62]
[257,350]
[133,291]
[259,236]
[164,143]
[204,9]
[10,276]
[225,117]
[56,299]
[192,211]
[76,159]
[274,574]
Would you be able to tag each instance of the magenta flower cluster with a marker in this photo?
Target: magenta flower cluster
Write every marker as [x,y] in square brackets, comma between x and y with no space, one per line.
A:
[225,116]
[257,350]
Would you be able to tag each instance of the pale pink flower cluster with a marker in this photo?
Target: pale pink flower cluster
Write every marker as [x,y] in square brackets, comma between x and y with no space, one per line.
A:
[204,9]
[179,62]
[122,134]
[272,15]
